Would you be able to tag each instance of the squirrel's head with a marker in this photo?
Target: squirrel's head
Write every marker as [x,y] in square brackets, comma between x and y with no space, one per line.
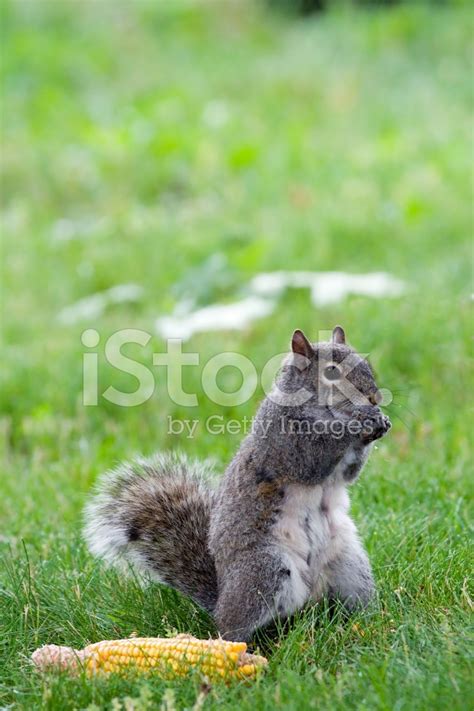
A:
[333,372]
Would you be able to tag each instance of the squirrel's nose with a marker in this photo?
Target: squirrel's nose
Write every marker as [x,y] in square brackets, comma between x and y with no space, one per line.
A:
[375,398]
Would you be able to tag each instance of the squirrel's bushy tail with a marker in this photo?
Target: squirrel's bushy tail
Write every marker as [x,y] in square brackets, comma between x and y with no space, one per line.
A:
[154,514]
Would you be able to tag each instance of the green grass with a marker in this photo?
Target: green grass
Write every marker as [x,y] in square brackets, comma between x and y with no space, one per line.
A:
[156,135]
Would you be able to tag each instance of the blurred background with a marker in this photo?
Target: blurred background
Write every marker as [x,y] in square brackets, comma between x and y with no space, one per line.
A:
[172,152]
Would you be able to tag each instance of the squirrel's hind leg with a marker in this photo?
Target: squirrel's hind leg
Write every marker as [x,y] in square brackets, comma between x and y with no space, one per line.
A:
[256,589]
[350,577]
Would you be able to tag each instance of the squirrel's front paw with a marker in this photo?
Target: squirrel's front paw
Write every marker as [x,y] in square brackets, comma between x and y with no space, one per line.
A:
[375,427]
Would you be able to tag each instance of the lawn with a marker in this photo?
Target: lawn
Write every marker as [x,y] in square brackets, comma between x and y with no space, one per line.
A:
[186,147]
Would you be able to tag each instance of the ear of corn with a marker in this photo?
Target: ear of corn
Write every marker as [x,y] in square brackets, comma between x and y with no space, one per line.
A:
[170,658]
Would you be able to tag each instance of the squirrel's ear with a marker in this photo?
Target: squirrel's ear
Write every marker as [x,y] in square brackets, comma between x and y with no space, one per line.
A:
[300,344]
[338,335]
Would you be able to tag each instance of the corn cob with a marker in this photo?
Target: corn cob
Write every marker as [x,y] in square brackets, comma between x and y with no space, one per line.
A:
[170,658]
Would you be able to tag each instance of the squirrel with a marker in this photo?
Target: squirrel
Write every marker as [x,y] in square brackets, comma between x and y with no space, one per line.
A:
[275,533]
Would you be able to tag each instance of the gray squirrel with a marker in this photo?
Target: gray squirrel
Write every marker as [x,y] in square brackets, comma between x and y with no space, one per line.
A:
[275,533]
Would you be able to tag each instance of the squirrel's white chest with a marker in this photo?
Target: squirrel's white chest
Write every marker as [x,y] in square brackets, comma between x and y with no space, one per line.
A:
[308,532]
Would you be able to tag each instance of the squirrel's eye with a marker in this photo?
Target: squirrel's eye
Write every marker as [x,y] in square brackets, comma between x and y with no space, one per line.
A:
[332,372]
